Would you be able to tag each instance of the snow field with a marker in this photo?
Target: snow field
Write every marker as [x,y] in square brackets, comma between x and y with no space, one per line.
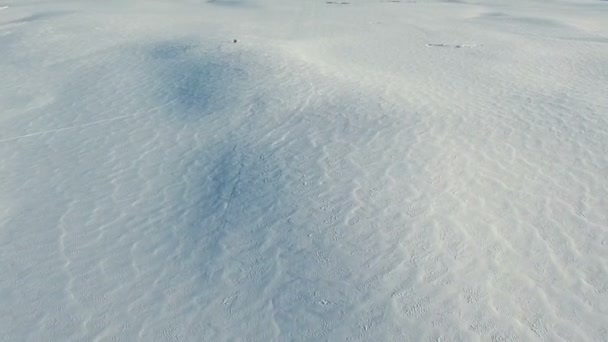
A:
[378,171]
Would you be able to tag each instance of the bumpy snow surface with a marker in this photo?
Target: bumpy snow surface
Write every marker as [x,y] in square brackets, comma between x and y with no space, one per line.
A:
[365,170]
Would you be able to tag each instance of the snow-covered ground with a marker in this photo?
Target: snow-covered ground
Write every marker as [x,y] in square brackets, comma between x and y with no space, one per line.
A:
[365,170]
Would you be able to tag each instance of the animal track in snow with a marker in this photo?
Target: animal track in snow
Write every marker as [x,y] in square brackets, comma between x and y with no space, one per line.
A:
[454,46]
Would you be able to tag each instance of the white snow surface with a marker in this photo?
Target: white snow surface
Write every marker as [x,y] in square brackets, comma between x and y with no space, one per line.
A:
[365,171]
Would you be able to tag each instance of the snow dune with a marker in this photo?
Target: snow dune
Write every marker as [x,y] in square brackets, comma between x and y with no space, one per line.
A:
[359,170]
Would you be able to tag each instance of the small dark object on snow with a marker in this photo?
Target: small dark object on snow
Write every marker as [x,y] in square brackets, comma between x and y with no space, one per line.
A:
[234,40]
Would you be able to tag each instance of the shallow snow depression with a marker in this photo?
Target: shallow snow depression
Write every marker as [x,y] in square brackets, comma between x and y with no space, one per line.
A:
[362,170]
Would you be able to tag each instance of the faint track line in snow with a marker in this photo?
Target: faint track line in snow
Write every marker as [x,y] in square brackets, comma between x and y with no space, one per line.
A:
[3,8]
[229,200]
[98,122]
[455,46]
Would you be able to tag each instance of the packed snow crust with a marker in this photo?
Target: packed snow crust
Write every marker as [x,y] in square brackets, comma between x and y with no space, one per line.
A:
[362,170]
